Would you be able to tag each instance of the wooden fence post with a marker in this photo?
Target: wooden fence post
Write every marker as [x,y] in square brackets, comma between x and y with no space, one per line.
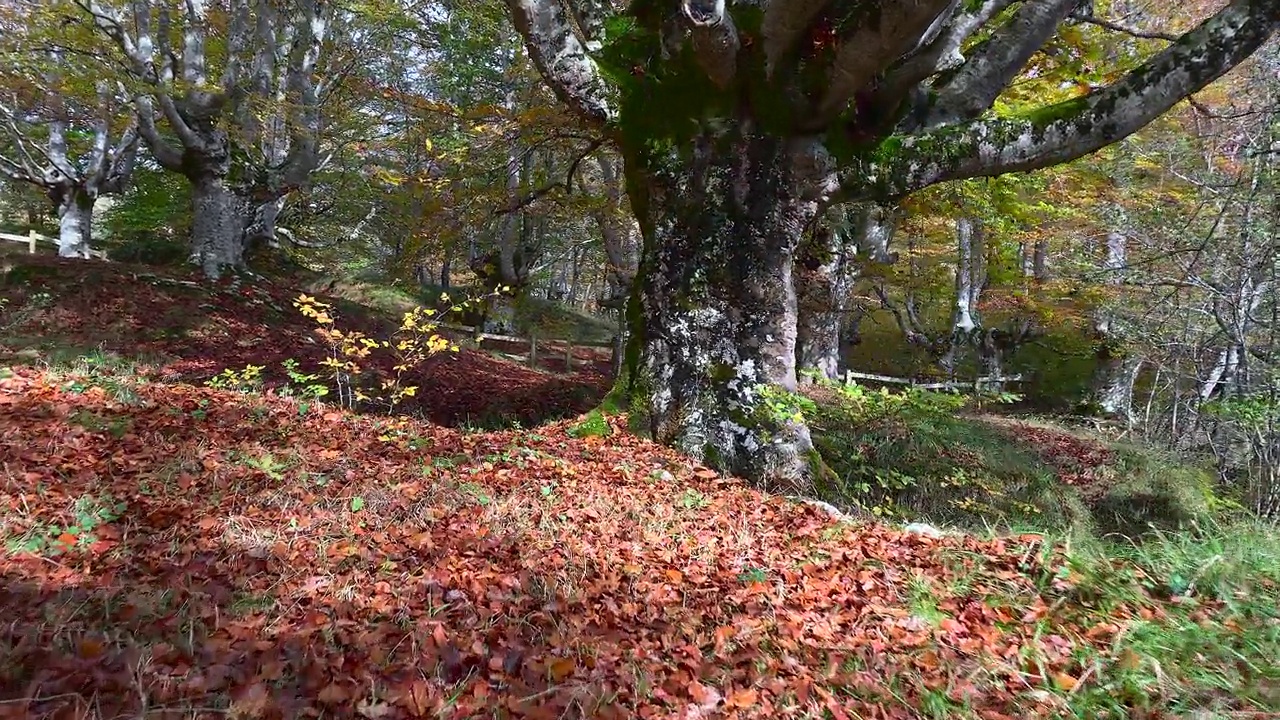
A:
[32,235]
[533,349]
[568,356]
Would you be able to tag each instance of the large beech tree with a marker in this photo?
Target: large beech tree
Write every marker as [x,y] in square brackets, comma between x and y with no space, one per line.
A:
[217,82]
[740,120]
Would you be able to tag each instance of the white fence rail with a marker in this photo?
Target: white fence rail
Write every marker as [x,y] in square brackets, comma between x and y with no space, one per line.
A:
[33,238]
[975,384]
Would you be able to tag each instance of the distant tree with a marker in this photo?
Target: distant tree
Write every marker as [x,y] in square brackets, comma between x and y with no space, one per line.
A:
[739,121]
[245,134]
[62,127]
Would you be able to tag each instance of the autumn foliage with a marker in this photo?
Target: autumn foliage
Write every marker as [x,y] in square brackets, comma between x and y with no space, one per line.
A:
[270,561]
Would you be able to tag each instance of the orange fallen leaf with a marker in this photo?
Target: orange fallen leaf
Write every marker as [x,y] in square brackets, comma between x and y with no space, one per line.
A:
[561,669]
[1064,681]
[89,648]
[744,698]
[674,575]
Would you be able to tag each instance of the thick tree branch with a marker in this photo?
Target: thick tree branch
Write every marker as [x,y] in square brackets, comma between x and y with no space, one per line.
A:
[785,23]
[1058,134]
[169,157]
[715,39]
[872,47]
[590,16]
[561,58]
[997,61]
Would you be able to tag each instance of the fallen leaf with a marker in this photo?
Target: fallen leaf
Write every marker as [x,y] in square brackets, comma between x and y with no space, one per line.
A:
[561,668]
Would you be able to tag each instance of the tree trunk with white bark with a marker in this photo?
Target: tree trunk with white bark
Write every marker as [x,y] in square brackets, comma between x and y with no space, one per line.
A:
[75,222]
[829,265]
[218,225]
[266,88]
[1116,366]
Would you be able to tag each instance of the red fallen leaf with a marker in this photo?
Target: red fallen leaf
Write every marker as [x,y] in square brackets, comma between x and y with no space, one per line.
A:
[333,694]
[373,710]
[101,546]
[67,539]
[253,701]
[706,474]
[415,697]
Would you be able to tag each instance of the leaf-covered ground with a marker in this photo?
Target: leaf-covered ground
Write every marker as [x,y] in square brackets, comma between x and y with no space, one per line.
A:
[195,330]
[174,550]
[173,547]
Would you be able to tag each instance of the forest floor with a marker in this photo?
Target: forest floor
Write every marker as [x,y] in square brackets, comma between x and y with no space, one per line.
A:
[175,549]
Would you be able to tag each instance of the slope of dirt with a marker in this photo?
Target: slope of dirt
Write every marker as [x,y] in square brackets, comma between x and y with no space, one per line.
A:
[196,329]
[207,553]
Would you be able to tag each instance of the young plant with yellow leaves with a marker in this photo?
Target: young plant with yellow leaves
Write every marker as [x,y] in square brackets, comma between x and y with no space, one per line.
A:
[412,343]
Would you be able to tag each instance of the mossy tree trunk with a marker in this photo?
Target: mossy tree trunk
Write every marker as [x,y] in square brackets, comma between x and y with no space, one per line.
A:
[739,120]
[718,306]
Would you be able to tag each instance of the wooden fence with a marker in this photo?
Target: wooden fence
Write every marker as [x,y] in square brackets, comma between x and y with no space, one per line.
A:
[33,238]
[974,385]
[531,357]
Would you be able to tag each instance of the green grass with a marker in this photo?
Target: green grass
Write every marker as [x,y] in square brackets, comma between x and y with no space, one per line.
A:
[1208,643]
[920,456]
[549,320]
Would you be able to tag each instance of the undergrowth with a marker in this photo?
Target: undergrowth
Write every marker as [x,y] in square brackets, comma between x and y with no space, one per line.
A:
[1208,628]
[926,455]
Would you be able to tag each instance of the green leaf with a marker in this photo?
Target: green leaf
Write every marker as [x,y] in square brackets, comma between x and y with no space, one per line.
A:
[357,504]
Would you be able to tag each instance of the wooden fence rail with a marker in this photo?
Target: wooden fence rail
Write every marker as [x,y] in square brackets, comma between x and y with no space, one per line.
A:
[976,384]
[532,357]
[33,238]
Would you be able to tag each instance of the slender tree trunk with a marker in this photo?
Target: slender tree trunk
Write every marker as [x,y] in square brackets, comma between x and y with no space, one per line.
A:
[970,279]
[830,263]
[718,312]
[1113,380]
[217,230]
[75,222]
[1116,367]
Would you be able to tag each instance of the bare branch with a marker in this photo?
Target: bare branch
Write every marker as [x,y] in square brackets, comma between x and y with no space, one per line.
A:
[534,195]
[1125,29]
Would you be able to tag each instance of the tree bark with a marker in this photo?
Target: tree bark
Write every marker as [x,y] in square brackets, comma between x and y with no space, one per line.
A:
[1116,367]
[75,222]
[718,307]
[218,225]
